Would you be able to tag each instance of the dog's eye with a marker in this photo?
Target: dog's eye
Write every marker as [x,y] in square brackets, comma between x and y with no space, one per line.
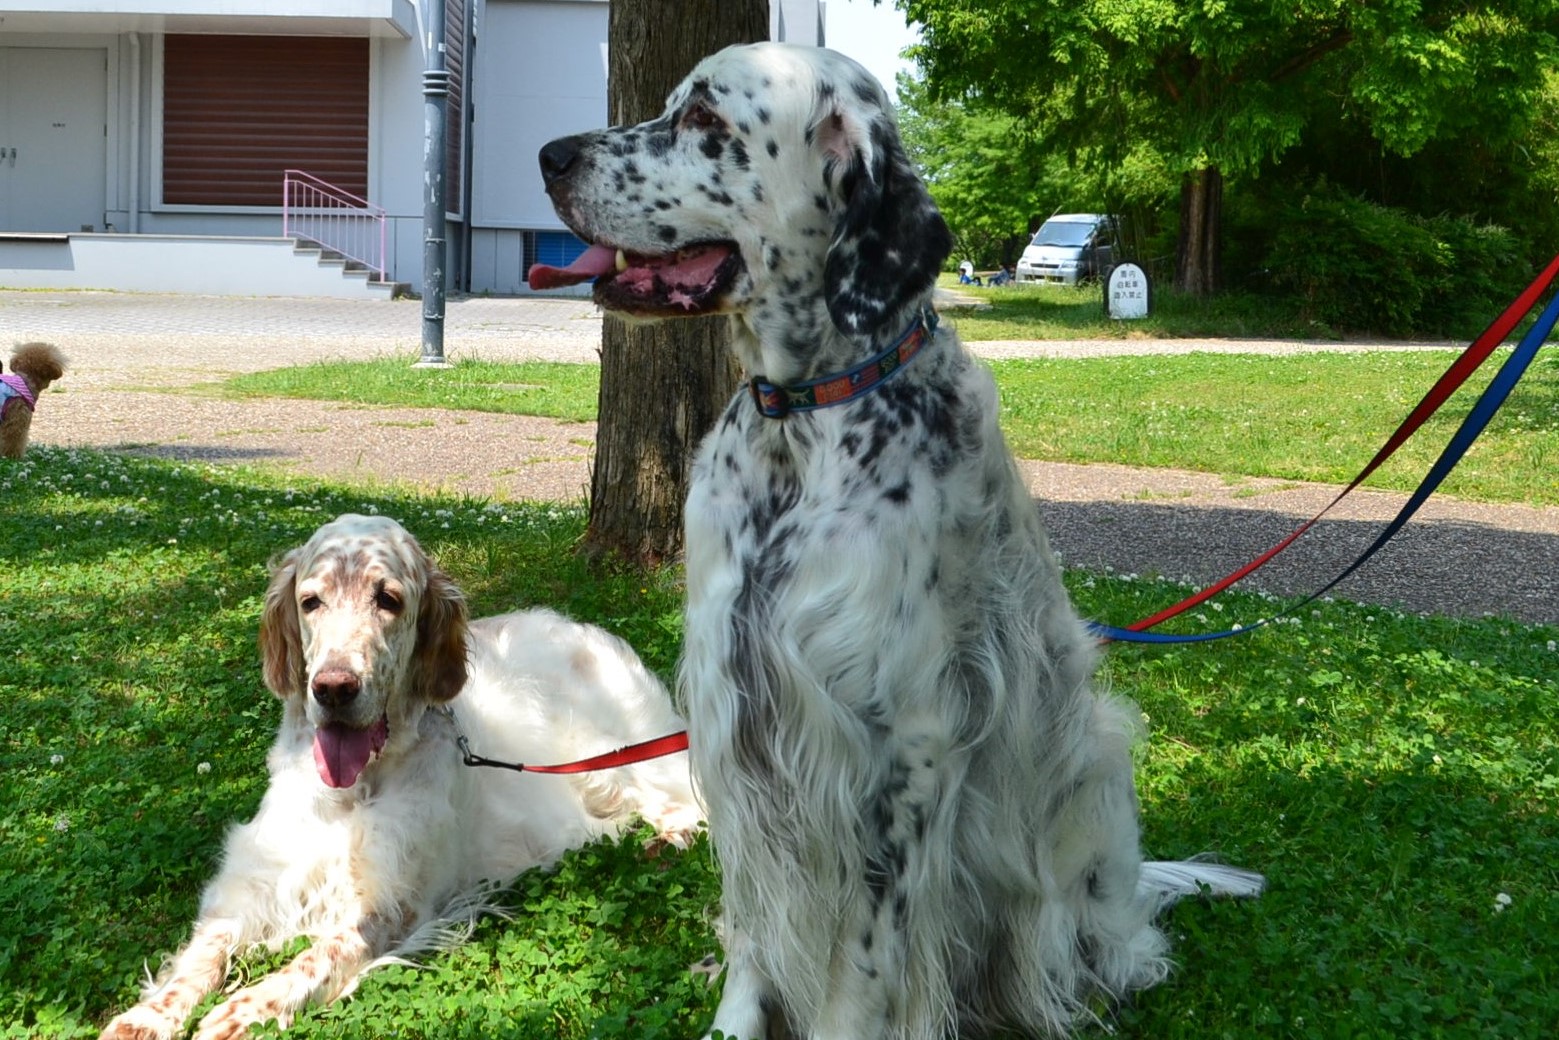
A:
[387,601]
[701,117]
[309,604]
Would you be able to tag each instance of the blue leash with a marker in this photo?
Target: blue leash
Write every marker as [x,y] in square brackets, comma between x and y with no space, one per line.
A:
[1490,402]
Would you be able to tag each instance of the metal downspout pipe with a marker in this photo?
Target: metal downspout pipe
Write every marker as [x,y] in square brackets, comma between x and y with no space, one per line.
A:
[435,93]
[134,202]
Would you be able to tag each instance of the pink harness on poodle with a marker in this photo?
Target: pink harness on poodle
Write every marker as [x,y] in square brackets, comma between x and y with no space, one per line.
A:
[14,389]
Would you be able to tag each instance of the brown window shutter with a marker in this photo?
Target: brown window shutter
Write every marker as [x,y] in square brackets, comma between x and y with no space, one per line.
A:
[238,110]
[454,121]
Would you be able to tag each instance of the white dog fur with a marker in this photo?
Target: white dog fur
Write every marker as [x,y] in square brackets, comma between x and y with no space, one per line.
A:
[373,838]
[923,810]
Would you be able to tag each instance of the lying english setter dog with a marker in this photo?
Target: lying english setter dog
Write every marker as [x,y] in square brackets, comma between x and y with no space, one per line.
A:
[924,813]
[373,838]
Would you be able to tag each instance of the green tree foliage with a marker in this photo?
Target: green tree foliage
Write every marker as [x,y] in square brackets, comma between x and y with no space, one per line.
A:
[981,168]
[1229,88]
[1358,265]
[995,181]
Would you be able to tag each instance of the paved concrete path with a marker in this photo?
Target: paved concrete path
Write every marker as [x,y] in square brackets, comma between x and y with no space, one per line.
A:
[128,351]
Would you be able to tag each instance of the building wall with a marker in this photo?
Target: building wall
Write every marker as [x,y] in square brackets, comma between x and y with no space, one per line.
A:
[536,69]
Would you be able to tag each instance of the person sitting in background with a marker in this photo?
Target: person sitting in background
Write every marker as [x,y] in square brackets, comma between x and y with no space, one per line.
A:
[1003,276]
[966,275]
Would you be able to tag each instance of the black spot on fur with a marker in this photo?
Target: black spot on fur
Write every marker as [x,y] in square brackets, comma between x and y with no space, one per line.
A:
[890,241]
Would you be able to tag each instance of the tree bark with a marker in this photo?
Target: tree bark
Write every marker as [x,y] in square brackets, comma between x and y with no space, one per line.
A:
[662,384]
[1198,251]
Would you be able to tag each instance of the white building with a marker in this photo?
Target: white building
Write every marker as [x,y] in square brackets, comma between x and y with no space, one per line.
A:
[143,143]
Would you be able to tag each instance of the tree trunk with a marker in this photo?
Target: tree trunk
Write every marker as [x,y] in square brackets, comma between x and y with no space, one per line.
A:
[662,384]
[1198,264]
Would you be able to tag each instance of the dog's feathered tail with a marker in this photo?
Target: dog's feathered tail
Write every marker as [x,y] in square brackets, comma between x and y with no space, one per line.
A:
[1167,882]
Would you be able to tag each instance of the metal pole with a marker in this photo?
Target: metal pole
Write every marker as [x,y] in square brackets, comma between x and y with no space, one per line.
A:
[435,93]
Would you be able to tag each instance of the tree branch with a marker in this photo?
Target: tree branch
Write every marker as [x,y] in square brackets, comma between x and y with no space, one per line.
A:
[1306,58]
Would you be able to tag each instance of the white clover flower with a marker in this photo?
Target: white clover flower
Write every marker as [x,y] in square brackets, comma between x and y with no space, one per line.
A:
[56,760]
[1501,901]
[203,768]
[61,824]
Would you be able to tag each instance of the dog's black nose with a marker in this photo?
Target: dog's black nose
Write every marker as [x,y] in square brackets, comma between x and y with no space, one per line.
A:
[336,687]
[556,158]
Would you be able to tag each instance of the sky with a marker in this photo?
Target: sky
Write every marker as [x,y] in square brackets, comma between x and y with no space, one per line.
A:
[872,34]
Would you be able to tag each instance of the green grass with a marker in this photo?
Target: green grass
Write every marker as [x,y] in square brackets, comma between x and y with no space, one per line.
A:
[550,389]
[1312,416]
[1077,312]
[1303,417]
[1393,775]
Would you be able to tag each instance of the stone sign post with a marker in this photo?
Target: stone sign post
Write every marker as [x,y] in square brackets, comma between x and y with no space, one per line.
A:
[1126,292]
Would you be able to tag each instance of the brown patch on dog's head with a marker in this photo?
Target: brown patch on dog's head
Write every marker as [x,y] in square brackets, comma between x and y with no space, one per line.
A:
[441,638]
[281,640]
[38,363]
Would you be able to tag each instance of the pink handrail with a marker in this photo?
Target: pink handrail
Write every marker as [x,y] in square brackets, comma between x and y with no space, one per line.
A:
[317,211]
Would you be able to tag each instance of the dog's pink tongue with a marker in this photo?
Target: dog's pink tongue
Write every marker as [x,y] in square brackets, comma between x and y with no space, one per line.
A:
[340,753]
[592,263]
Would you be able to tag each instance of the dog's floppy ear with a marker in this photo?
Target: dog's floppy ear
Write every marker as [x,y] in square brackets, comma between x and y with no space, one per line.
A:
[439,662]
[281,640]
[890,239]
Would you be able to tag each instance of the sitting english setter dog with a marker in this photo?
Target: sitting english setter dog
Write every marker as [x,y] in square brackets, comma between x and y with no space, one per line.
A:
[373,838]
[924,814]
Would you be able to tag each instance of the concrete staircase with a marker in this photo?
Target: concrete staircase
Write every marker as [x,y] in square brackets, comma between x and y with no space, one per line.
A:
[351,272]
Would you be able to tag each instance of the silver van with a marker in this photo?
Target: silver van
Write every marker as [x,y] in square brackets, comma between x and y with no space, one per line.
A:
[1069,248]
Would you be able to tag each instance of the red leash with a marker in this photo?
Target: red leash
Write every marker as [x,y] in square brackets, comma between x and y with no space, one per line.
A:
[1448,384]
[623,756]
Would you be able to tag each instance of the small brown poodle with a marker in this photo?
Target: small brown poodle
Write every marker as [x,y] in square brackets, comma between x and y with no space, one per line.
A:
[33,367]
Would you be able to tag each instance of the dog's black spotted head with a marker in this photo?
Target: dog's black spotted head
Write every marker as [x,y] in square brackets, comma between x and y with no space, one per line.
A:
[773,185]
[890,239]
